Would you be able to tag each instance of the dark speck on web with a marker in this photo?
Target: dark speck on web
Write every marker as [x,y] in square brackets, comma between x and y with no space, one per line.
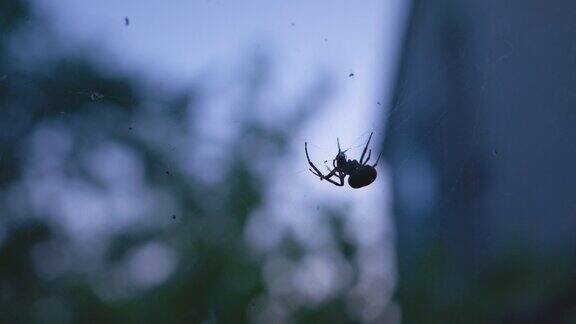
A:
[495,152]
[325,161]
[378,103]
[129,128]
[351,75]
[167,172]
[173,216]
[126,21]
[94,95]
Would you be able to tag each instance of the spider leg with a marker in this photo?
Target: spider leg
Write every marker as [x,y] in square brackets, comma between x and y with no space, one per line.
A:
[327,179]
[338,141]
[334,171]
[366,147]
[316,174]
[368,158]
[378,159]
[340,176]
[315,170]
[341,184]
[331,174]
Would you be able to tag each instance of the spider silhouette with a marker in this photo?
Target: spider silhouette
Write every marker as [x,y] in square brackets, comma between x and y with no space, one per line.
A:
[359,173]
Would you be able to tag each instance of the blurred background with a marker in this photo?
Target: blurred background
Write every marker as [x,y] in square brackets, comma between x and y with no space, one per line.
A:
[152,166]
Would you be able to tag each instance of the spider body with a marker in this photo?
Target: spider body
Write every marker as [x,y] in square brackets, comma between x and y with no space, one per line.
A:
[360,174]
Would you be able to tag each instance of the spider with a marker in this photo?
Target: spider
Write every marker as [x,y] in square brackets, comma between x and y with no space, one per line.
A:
[359,173]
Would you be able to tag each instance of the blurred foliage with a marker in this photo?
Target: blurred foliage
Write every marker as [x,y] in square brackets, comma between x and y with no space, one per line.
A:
[217,277]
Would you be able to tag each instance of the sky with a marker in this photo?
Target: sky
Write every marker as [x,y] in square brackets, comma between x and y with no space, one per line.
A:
[180,42]
[355,43]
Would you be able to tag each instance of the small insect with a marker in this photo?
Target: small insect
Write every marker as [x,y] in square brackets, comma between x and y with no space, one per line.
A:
[360,174]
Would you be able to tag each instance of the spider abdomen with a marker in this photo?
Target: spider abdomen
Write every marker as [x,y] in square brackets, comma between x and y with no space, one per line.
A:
[362,176]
